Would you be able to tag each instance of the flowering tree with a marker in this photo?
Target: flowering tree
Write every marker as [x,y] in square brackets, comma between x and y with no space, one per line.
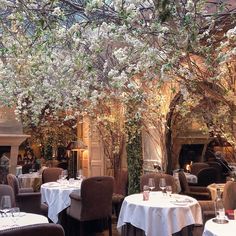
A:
[65,58]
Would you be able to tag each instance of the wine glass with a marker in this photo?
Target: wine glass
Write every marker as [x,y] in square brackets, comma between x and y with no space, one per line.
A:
[79,174]
[168,190]
[5,203]
[151,183]
[64,174]
[162,184]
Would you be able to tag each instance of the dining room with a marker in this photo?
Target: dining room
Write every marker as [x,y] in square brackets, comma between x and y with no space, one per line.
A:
[117,117]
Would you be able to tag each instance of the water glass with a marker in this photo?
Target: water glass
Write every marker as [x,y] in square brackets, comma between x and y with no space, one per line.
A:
[5,203]
[64,174]
[168,190]
[146,190]
[79,174]
[15,211]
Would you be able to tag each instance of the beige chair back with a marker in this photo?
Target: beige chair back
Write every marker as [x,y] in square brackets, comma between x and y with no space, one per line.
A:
[229,195]
[51,174]
[169,181]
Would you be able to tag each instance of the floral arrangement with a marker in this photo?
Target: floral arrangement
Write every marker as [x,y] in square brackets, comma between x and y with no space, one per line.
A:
[67,58]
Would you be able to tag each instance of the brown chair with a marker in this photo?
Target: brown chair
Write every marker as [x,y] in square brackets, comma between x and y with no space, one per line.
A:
[26,199]
[197,166]
[47,229]
[229,200]
[51,174]
[169,181]
[7,190]
[218,167]
[198,192]
[207,176]
[120,190]
[94,203]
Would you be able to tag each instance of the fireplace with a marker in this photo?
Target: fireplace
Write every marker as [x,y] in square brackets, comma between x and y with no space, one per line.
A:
[189,147]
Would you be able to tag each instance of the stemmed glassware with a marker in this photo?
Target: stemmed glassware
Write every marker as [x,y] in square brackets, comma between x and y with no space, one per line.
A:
[169,190]
[79,174]
[151,183]
[64,174]
[5,204]
[162,184]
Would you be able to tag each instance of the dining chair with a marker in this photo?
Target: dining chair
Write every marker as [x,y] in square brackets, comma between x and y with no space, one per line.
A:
[26,199]
[229,200]
[170,180]
[197,166]
[51,174]
[46,229]
[198,192]
[207,176]
[220,176]
[7,190]
[93,204]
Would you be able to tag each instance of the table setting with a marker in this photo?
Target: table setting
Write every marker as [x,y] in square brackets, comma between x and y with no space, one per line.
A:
[15,218]
[56,195]
[30,180]
[12,216]
[171,212]
[212,228]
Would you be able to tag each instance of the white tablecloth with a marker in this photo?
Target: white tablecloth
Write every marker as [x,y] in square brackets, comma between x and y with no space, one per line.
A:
[214,229]
[21,219]
[57,197]
[160,215]
[30,180]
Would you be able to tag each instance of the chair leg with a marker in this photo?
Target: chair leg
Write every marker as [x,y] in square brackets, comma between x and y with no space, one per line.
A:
[110,225]
[81,228]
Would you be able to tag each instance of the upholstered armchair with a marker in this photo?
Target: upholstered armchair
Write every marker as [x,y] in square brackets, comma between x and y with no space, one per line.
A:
[229,200]
[7,190]
[198,192]
[51,174]
[170,180]
[197,166]
[220,175]
[93,204]
[47,229]
[207,176]
[26,199]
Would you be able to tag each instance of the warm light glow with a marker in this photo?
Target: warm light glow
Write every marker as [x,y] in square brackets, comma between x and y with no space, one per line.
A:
[188,168]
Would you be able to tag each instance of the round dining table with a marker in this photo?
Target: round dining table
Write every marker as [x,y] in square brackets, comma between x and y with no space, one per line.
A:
[214,229]
[161,215]
[30,180]
[19,219]
[56,196]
